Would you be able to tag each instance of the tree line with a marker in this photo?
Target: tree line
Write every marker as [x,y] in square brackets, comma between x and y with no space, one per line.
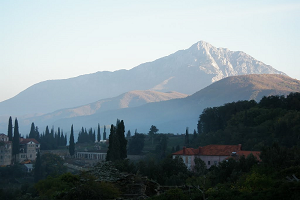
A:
[255,125]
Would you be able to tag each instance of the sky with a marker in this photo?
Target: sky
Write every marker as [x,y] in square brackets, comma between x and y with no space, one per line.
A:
[54,39]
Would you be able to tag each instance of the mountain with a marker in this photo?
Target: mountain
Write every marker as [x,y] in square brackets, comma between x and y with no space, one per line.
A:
[185,71]
[173,116]
[127,100]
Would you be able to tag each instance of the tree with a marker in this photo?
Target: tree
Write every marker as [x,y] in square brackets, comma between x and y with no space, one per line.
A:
[113,152]
[52,165]
[153,130]
[98,134]
[37,133]
[136,144]
[123,142]
[128,135]
[91,136]
[200,167]
[161,147]
[195,134]
[187,140]
[117,149]
[177,148]
[104,133]
[32,131]
[72,143]
[38,168]
[65,140]
[10,129]
[16,142]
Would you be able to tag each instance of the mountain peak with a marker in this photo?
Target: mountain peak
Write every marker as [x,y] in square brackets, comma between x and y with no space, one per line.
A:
[185,71]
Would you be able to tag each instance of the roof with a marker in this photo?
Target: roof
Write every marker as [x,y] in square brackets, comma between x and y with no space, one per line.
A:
[246,154]
[187,151]
[210,150]
[27,140]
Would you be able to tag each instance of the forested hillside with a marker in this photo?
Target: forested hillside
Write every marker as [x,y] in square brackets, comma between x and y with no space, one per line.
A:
[252,124]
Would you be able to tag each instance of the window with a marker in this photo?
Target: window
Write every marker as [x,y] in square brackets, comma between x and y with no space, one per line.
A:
[208,162]
[189,159]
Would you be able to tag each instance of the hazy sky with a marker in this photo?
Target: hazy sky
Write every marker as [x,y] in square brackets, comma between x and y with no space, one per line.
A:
[42,40]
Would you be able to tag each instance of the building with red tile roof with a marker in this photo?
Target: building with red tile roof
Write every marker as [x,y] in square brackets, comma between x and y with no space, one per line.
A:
[29,148]
[212,154]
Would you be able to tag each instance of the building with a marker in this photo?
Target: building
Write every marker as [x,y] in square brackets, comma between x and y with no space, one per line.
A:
[99,156]
[5,150]
[212,154]
[28,168]
[28,149]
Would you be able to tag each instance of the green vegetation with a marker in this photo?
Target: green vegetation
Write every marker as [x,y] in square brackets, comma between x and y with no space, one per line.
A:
[87,137]
[117,148]
[271,126]
[136,144]
[72,143]
[255,125]
[51,140]
[69,186]
[10,129]
[15,142]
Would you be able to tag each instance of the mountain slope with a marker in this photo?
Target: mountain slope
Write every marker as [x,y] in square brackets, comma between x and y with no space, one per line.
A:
[185,71]
[127,100]
[177,114]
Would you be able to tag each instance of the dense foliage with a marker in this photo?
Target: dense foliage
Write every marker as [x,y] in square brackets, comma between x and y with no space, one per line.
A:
[255,125]
[72,142]
[50,139]
[117,148]
[136,144]
[87,137]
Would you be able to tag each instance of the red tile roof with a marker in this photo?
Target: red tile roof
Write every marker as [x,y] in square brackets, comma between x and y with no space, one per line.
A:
[186,151]
[210,150]
[27,140]
[247,153]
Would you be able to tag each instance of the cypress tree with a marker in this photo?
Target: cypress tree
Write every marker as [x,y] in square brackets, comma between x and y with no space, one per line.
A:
[195,135]
[72,144]
[16,142]
[104,133]
[10,130]
[113,152]
[187,139]
[65,141]
[98,133]
[37,133]
[94,136]
[32,131]
[123,142]
[58,137]
[62,139]
[128,134]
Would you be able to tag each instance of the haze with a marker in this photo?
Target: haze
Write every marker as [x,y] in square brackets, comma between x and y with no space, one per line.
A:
[42,40]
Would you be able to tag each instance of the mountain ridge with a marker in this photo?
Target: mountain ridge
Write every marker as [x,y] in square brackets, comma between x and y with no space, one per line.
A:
[185,71]
[173,116]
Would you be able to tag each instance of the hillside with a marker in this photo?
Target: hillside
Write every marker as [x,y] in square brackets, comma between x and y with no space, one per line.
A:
[127,100]
[185,71]
[175,115]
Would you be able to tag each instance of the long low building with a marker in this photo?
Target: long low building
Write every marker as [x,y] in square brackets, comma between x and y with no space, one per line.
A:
[212,154]
[91,155]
